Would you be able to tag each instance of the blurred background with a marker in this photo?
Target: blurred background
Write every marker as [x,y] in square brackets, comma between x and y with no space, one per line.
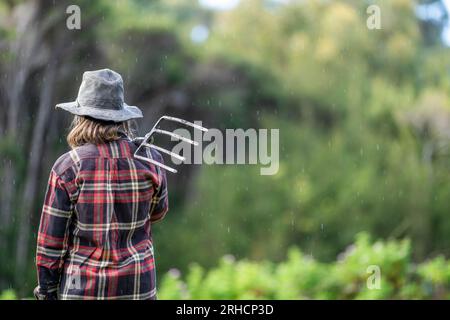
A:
[364,119]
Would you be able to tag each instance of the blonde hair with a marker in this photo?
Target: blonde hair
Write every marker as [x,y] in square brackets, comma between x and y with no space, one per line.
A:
[88,130]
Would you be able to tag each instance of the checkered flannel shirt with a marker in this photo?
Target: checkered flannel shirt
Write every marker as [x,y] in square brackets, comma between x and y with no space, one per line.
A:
[94,239]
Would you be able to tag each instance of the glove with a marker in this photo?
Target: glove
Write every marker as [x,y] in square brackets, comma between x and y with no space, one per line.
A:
[40,294]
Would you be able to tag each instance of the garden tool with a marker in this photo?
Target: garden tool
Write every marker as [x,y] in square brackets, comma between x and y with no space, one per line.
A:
[148,141]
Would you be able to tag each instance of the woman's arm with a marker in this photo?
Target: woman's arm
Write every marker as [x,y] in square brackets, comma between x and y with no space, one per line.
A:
[53,237]
[160,201]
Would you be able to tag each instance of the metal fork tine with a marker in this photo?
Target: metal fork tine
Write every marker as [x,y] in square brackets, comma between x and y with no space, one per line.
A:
[148,144]
[156,163]
[176,136]
[175,155]
[185,122]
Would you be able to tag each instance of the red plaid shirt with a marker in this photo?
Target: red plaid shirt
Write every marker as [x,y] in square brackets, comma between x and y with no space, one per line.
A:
[94,238]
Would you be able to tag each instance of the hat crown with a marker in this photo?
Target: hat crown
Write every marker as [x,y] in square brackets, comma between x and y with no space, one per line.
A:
[101,97]
[102,89]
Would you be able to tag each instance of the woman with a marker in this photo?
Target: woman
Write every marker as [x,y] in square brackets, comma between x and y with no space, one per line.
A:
[94,238]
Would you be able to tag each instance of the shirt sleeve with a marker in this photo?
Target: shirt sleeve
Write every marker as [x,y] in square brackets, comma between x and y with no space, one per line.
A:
[160,201]
[53,236]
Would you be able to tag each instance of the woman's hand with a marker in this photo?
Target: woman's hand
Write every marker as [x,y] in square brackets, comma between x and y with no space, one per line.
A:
[40,295]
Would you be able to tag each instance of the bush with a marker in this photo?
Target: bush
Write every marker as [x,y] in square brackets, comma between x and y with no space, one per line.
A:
[352,276]
[8,295]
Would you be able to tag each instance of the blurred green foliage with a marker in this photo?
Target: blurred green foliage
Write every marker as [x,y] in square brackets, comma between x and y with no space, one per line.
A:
[8,295]
[302,277]
[364,119]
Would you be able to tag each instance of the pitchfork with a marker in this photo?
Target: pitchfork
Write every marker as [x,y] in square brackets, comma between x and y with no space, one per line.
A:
[147,141]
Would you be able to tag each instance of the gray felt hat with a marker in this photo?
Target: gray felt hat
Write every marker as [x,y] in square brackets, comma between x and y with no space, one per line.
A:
[101,97]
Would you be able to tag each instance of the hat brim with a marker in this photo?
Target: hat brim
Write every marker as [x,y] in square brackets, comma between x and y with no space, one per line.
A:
[127,113]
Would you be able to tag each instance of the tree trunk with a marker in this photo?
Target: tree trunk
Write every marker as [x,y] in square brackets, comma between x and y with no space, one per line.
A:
[34,160]
[13,87]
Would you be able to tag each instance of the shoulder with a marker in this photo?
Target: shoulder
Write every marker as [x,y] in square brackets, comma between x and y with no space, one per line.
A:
[72,158]
[147,152]
[156,155]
